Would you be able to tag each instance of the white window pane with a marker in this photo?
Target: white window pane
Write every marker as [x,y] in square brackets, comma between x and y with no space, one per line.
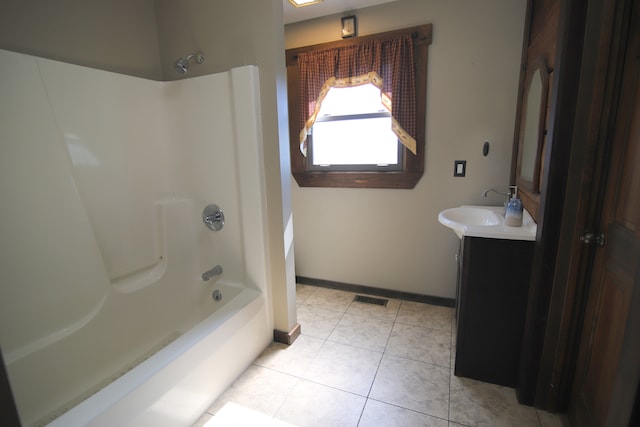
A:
[355,142]
[349,140]
[351,100]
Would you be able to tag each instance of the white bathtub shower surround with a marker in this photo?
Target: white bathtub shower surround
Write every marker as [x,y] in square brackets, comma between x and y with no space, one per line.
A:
[103,179]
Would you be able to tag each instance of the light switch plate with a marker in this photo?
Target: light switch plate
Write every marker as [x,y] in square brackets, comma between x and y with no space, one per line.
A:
[459,168]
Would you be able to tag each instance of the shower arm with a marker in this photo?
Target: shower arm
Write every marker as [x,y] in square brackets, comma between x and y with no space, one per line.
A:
[199,57]
[182,64]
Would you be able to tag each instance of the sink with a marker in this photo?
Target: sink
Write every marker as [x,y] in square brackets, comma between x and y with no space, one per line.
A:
[469,215]
[486,221]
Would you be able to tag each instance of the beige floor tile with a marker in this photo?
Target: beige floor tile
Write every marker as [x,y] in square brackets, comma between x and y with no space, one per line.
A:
[365,332]
[552,420]
[330,299]
[234,415]
[427,315]
[293,359]
[476,403]
[259,389]
[316,405]
[378,414]
[387,313]
[414,385]
[317,322]
[420,343]
[453,343]
[400,356]
[303,292]
[344,367]
[202,421]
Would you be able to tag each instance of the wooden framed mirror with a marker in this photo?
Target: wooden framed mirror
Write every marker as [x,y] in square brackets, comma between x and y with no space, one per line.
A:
[532,127]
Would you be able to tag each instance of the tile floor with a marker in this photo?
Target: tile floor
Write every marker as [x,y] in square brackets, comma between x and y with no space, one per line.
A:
[358,364]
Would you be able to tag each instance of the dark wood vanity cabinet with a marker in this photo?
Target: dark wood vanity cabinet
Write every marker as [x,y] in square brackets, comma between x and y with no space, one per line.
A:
[493,282]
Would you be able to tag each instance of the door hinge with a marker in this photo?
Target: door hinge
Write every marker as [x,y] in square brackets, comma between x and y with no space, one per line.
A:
[589,238]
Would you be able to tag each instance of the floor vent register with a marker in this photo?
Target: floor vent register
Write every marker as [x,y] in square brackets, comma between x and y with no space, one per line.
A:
[371,300]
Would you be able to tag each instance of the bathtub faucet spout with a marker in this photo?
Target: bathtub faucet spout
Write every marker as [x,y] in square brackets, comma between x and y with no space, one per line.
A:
[215,271]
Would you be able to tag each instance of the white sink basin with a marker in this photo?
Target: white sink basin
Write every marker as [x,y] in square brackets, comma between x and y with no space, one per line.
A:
[486,221]
[469,215]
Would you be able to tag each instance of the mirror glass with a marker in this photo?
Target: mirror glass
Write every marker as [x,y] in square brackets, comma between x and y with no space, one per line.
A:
[530,127]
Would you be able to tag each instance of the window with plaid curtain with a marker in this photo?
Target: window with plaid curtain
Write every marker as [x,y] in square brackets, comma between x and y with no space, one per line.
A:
[387,64]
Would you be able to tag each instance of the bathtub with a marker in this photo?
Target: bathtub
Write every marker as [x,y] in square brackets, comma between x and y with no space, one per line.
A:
[104,316]
[176,385]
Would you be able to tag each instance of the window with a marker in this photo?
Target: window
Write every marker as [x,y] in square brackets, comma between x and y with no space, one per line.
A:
[337,149]
[353,132]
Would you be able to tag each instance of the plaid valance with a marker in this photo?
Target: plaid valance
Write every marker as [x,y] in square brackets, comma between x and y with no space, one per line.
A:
[387,64]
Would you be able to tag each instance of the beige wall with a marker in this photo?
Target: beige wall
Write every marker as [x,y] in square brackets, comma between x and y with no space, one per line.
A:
[391,238]
[117,35]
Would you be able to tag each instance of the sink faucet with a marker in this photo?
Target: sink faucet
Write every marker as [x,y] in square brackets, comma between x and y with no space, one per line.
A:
[507,194]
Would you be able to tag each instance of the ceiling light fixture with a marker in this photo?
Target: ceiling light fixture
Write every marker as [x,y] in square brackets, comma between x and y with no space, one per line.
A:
[301,3]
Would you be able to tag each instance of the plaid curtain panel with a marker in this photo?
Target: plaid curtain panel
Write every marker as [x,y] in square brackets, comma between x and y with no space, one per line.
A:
[387,64]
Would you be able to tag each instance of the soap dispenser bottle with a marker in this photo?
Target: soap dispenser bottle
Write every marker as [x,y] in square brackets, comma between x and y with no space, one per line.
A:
[513,213]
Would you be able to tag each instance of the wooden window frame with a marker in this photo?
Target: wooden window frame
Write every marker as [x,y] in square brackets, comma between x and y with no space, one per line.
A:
[413,164]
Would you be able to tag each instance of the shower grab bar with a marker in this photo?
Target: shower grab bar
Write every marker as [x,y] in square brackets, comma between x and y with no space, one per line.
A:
[215,271]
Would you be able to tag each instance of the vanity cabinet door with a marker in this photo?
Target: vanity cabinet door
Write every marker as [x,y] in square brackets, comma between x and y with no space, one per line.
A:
[492,299]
